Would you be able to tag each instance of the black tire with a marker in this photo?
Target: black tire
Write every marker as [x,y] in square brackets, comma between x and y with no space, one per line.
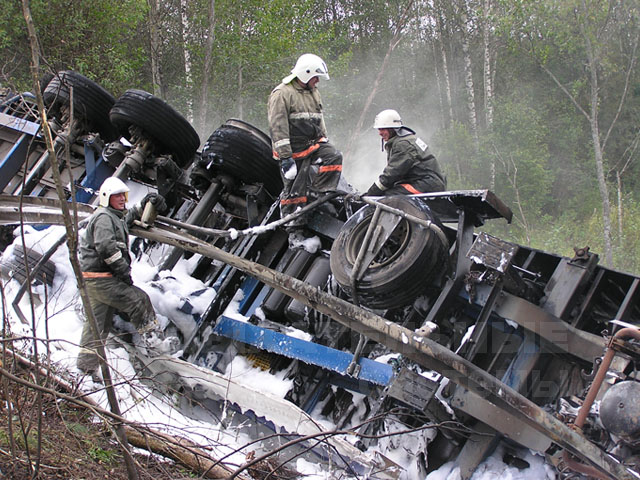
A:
[410,260]
[14,266]
[91,102]
[167,129]
[243,151]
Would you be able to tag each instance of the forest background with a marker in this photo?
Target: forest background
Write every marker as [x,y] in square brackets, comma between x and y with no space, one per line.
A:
[537,100]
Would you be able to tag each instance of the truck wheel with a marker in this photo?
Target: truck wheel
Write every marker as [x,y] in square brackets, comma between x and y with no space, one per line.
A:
[411,259]
[243,151]
[91,102]
[169,131]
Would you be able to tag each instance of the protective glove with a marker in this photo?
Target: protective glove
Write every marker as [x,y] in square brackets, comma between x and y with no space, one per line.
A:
[374,191]
[156,200]
[288,168]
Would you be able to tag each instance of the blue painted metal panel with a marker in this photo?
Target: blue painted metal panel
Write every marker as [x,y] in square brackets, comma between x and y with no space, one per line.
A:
[18,124]
[307,352]
[96,171]
[93,179]
[13,160]
[247,305]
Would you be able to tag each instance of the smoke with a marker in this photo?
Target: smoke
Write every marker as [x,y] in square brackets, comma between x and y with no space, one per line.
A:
[345,96]
[365,162]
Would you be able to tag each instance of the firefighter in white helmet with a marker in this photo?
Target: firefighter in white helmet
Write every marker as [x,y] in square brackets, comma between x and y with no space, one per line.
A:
[308,162]
[411,168]
[106,268]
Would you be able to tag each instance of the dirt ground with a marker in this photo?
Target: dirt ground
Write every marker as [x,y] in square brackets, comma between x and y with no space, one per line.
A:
[63,442]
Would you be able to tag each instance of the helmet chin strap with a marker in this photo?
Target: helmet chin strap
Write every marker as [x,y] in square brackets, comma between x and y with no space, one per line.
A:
[382,144]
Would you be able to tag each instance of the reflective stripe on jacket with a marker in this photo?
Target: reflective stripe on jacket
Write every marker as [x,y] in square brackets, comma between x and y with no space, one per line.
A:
[409,161]
[295,118]
[104,246]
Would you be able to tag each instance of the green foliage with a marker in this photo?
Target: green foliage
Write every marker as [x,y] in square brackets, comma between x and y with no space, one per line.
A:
[104,456]
[456,155]
[540,142]
[21,440]
[81,36]
[516,144]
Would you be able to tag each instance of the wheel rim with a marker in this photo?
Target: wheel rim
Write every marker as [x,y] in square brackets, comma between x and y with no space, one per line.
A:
[390,251]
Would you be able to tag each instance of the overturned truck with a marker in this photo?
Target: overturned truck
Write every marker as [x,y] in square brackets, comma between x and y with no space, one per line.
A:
[397,316]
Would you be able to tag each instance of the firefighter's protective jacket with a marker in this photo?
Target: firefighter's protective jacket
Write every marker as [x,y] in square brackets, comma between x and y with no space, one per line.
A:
[295,118]
[409,161]
[105,246]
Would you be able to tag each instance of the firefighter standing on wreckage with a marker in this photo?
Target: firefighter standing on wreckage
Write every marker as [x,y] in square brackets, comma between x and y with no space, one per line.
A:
[106,268]
[309,164]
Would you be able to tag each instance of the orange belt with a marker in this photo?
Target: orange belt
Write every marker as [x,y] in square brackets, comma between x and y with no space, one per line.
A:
[97,274]
[330,168]
[292,201]
[306,152]
[410,188]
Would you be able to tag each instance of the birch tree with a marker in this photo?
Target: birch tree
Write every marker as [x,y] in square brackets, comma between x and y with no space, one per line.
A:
[595,33]
[440,28]
[155,48]
[488,77]
[467,28]
[208,62]
[188,76]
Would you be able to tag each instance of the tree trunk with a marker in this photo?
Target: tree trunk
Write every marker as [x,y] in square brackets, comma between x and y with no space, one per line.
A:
[468,73]
[444,122]
[488,80]
[240,87]
[206,68]
[592,65]
[181,450]
[602,181]
[445,64]
[620,229]
[184,4]
[155,44]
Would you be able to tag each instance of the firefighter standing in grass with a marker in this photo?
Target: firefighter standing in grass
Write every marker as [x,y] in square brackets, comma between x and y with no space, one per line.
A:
[411,168]
[308,162]
[106,268]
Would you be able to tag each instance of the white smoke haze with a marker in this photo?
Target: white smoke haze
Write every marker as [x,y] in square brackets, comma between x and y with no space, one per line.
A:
[344,97]
[365,162]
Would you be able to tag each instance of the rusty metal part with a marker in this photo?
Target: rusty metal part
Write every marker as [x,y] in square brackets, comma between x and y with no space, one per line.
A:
[591,396]
[580,253]
[602,372]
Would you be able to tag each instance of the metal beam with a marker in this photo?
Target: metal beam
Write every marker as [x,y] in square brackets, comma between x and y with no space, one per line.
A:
[422,350]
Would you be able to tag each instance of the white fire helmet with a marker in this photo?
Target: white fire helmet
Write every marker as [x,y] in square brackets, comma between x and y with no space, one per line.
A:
[111,186]
[307,67]
[388,119]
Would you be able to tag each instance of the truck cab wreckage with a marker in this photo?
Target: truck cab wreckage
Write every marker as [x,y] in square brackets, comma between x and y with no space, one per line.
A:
[403,320]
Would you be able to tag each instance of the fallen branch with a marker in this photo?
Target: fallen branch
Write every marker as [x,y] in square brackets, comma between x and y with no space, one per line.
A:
[176,448]
[179,449]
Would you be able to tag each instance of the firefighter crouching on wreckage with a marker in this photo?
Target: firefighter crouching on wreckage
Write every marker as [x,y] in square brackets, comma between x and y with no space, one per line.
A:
[411,168]
[309,164]
[106,268]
